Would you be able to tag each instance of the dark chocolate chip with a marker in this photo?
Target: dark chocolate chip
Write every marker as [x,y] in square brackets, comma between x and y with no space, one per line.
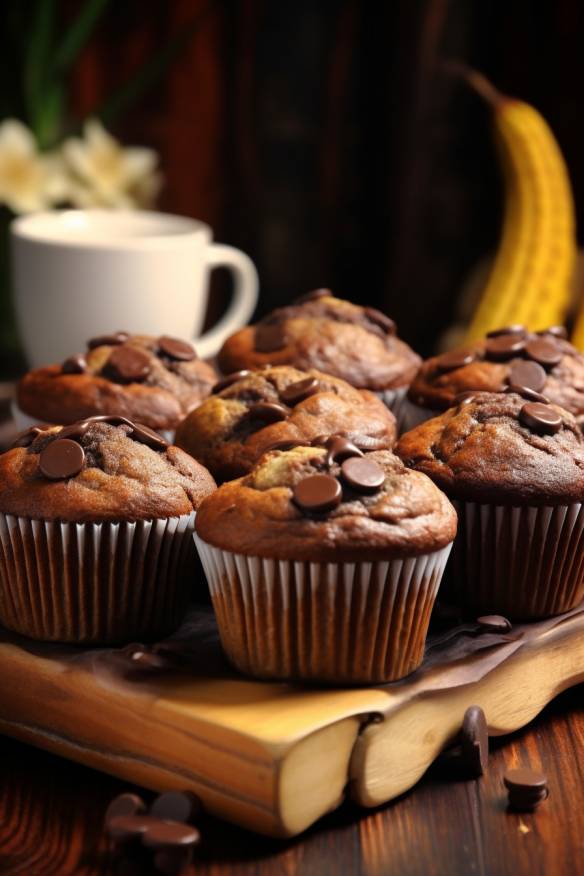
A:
[528,374]
[318,493]
[465,398]
[544,350]
[108,340]
[183,351]
[269,338]
[363,475]
[173,862]
[146,435]
[128,365]
[78,429]
[494,623]
[74,365]
[229,380]
[540,418]
[527,394]
[454,359]
[170,834]
[320,440]
[61,459]
[503,347]
[26,438]
[339,448]
[313,296]
[507,330]
[129,827]
[381,320]
[124,804]
[300,390]
[527,788]
[143,659]
[268,412]
[177,806]
[474,740]
[558,331]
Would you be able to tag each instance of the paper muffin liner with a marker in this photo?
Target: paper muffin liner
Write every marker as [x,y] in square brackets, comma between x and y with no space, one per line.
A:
[521,562]
[346,623]
[395,400]
[413,415]
[95,583]
[24,421]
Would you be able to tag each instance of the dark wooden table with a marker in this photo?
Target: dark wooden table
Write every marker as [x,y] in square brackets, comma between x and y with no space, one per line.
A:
[51,813]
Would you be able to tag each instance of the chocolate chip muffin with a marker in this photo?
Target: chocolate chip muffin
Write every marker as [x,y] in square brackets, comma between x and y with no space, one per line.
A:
[250,412]
[155,381]
[514,466]
[324,563]
[509,357]
[357,344]
[96,523]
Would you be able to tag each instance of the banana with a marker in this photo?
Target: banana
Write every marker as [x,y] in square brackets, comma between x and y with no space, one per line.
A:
[531,276]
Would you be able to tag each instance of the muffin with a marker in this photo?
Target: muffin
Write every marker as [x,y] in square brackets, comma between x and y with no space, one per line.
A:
[357,344]
[324,564]
[544,362]
[155,381]
[514,467]
[96,524]
[253,411]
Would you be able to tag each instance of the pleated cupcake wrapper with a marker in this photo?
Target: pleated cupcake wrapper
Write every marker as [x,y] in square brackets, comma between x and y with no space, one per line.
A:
[395,400]
[413,415]
[345,623]
[521,562]
[23,421]
[98,583]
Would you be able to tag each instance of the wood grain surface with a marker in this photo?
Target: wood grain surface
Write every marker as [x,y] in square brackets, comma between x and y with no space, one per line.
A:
[51,812]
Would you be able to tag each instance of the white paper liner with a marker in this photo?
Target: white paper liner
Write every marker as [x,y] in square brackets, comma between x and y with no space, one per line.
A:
[98,583]
[24,421]
[521,562]
[337,622]
[413,415]
[395,400]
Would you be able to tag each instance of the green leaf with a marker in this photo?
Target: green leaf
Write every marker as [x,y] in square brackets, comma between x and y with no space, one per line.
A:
[37,55]
[78,34]
[152,70]
[49,116]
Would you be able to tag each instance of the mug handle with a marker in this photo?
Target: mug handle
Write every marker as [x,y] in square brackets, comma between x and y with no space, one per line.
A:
[245,296]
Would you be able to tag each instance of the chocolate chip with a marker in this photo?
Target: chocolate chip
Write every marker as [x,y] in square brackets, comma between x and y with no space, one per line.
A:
[464,398]
[363,475]
[313,296]
[61,459]
[26,438]
[177,806]
[527,394]
[540,418]
[366,442]
[146,435]
[269,338]
[454,359]
[544,350]
[78,429]
[558,331]
[108,340]
[129,827]
[494,623]
[300,390]
[527,788]
[474,740]
[507,330]
[528,374]
[317,493]
[229,380]
[143,659]
[340,448]
[176,349]
[381,320]
[124,804]
[128,365]
[170,834]
[268,412]
[320,440]
[173,862]
[503,347]
[74,365]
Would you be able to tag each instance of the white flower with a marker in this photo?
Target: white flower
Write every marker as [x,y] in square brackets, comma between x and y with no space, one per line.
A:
[108,175]
[29,180]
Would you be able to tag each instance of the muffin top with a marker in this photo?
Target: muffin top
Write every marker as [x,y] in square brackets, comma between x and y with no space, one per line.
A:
[501,448]
[544,362]
[251,411]
[328,504]
[155,381]
[358,344]
[99,469]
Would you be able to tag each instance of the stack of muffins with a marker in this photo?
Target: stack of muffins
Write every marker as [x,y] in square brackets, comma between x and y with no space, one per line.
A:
[325,543]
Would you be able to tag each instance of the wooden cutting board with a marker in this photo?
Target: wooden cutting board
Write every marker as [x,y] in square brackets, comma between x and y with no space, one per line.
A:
[276,757]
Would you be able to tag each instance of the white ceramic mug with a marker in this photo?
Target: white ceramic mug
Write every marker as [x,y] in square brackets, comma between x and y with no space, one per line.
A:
[82,273]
